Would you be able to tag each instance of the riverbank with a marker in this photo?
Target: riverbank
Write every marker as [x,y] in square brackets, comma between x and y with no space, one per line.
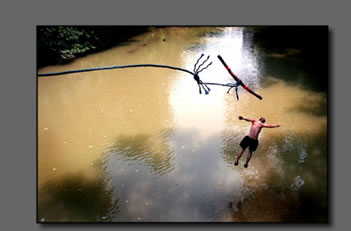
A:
[62,44]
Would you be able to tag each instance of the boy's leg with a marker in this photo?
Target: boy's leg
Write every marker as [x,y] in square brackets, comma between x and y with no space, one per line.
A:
[248,158]
[239,156]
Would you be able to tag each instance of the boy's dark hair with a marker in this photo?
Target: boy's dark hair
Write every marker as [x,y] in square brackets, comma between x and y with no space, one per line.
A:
[262,119]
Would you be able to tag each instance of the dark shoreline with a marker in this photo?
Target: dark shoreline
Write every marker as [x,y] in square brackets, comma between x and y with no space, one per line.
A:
[62,44]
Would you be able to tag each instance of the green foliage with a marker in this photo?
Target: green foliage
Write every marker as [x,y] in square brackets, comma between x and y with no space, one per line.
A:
[65,41]
[57,44]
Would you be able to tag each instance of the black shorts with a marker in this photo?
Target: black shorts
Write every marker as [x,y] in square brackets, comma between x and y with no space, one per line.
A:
[249,142]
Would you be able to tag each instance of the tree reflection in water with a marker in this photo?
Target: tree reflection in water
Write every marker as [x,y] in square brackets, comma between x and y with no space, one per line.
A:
[151,150]
[77,198]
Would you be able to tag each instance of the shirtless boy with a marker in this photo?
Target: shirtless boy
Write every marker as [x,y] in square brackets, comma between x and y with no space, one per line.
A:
[251,140]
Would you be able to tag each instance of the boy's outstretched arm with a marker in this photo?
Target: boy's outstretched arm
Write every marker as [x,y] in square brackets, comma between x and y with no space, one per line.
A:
[272,125]
[249,120]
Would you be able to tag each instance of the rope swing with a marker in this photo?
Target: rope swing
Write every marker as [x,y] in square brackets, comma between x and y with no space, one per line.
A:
[195,74]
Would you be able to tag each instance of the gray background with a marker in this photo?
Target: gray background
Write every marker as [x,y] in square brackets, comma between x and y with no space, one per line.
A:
[18,89]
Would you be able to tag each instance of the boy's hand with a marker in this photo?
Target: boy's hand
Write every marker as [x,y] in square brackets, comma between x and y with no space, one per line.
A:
[240,118]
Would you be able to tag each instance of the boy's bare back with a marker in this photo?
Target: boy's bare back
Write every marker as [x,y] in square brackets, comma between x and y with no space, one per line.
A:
[257,125]
[255,129]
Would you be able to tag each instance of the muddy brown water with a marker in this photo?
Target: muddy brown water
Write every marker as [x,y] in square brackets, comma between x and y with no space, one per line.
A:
[141,144]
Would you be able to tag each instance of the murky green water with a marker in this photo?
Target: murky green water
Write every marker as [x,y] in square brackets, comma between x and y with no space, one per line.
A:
[141,144]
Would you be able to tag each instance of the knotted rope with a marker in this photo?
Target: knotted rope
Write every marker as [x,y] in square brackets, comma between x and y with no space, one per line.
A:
[195,74]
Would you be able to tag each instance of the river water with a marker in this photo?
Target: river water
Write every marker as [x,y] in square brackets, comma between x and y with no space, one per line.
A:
[142,145]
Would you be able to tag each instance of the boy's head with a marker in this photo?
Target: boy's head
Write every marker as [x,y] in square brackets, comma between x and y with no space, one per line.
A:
[262,119]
